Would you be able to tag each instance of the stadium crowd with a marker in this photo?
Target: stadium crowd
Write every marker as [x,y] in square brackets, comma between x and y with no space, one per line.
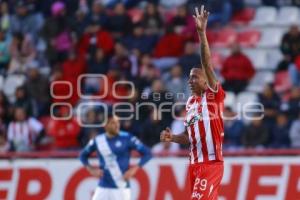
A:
[48,45]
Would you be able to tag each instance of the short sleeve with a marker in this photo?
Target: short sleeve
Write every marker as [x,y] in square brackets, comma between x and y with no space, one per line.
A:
[216,95]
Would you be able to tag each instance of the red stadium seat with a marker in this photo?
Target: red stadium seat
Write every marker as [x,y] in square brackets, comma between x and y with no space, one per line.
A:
[249,38]
[282,82]
[217,60]
[225,38]
[243,17]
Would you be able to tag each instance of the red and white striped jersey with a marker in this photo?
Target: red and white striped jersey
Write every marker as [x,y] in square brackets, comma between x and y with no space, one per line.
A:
[204,124]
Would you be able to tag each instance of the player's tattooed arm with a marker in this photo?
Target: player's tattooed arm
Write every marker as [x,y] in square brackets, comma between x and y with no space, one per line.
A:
[201,23]
[167,136]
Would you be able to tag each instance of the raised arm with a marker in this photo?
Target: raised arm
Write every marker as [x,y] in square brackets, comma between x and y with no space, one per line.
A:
[201,23]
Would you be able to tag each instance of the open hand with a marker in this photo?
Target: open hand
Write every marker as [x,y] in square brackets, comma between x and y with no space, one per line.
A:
[201,18]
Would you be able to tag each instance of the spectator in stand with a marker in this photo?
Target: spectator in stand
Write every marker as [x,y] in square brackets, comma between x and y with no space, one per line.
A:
[25,101]
[5,16]
[284,64]
[98,14]
[120,61]
[72,68]
[296,3]
[295,133]
[139,40]
[4,52]
[170,44]
[294,71]
[256,134]
[24,131]
[177,84]
[190,58]
[280,132]
[152,20]
[22,52]
[112,96]
[5,109]
[294,103]
[90,128]
[38,88]
[151,128]
[129,120]
[98,63]
[96,37]
[158,95]
[59,89]
[271,102]
[4,144]
[290,43]
[169,47]
[237,70]
[25,22]
[79,24]
[147,73]
[233,128]
[57,33]
[64,132]
[270,3]
[119,23]
[183,23]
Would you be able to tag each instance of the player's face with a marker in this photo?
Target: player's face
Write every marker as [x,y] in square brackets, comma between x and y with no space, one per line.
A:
[113,126]
[197,81]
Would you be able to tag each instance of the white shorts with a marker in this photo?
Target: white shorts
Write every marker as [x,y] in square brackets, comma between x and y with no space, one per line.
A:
[111,194]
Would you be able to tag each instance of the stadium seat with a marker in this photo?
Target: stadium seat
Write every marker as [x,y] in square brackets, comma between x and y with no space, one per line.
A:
[211,36]
[271,37]
[173,3]
[259,81]
[230,100]
[265,15]
[258,58]
[217,60]
[287,16]
[243,17]
[253,3]
[249,38]
[10,85]
[225,37]
[224,52]
[282,82]
[1,82]
[273,58]
[245,98]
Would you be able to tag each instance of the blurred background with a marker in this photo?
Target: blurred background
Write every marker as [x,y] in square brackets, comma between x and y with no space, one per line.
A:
[66,59]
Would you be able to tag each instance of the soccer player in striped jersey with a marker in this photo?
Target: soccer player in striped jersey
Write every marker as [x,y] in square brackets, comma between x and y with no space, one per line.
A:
[204,125]
[113,150]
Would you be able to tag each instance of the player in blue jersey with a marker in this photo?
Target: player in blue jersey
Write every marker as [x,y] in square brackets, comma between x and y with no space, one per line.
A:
[113,150]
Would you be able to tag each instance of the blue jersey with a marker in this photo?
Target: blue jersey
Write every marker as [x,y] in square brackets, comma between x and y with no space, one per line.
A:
[114,154]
